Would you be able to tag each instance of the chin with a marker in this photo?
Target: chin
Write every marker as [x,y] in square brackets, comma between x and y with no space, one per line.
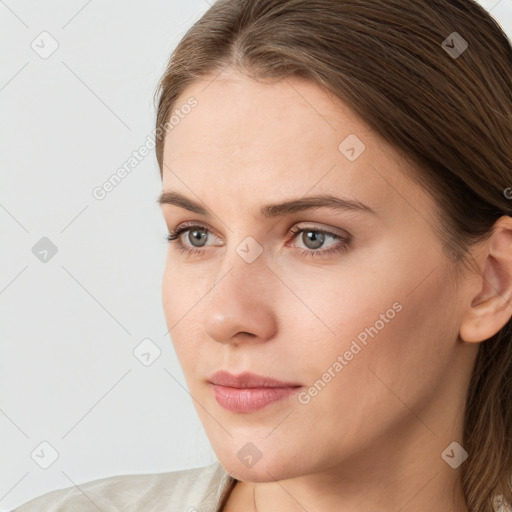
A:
[266,469]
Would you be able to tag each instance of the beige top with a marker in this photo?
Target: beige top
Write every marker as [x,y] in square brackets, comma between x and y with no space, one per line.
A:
[201,489]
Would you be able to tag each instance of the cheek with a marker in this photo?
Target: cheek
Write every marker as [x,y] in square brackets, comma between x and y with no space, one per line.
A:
[184,287]
[390,347]
[180,301]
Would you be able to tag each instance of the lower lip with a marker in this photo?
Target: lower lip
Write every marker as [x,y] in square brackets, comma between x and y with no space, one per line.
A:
[249,399]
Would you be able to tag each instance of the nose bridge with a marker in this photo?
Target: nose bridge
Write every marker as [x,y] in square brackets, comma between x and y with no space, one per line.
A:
[244,262]
[240,299]
[236,277]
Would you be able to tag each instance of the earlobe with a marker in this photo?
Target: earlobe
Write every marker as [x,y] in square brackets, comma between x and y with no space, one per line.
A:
[491,308]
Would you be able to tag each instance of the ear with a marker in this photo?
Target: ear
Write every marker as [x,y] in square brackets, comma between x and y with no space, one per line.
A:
[491,307]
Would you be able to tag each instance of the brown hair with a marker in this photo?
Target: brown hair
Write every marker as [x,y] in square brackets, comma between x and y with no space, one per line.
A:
[448,114]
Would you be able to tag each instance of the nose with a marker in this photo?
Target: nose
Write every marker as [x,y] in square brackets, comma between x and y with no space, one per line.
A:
[240,305]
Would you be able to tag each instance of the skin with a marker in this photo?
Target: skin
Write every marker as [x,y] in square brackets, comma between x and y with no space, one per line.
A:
[372,438]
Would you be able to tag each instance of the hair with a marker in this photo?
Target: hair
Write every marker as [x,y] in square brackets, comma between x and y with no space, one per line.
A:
[448,115]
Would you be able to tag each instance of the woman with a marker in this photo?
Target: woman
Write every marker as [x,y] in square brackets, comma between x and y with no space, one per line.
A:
[337,184]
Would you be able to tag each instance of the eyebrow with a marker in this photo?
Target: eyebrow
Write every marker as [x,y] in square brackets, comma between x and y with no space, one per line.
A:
[275,209]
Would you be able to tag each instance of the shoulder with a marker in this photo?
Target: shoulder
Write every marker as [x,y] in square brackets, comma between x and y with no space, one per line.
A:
[196,489]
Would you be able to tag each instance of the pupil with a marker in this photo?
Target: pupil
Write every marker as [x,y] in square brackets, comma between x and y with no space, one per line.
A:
[317,239]
[201,233]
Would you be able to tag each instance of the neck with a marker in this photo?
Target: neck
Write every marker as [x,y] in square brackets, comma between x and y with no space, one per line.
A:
[406,474]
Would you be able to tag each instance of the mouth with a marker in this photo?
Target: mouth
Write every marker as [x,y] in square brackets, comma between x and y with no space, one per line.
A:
[249,392]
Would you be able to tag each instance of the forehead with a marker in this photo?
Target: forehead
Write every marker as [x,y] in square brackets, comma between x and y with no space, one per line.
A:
[237,114]
[263,140]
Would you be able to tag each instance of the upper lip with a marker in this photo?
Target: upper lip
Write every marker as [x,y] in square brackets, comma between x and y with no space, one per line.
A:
[247,380]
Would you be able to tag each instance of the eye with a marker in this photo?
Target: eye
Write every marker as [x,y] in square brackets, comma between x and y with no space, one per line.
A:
[312,237]
[196,233]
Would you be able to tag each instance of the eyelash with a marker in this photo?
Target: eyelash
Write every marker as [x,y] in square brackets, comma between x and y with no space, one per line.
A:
[176,236]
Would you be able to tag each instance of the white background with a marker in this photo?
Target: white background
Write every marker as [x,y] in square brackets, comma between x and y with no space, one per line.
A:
[69,326]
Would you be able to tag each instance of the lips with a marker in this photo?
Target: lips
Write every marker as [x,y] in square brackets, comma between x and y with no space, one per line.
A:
[248,380]
[249,392]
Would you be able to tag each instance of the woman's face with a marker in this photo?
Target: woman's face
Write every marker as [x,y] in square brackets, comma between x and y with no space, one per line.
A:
[366,322]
